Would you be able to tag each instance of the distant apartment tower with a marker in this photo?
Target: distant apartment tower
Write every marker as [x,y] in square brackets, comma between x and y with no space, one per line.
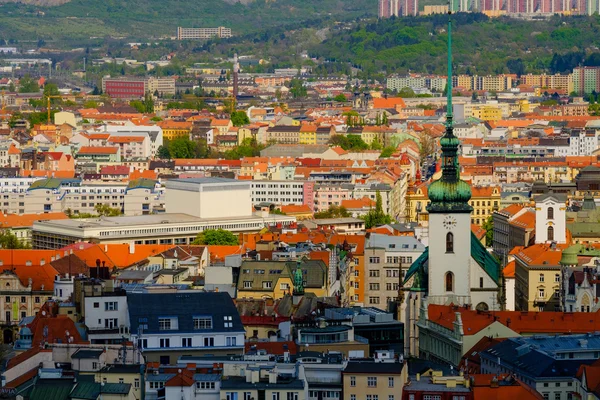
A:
[520,6]
[408,7]
[586,79]
[398,8]
[202,33]
[552,82]
[135,88]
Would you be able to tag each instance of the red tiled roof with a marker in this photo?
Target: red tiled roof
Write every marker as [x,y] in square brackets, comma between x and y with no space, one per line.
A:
[524,323]
[275,348]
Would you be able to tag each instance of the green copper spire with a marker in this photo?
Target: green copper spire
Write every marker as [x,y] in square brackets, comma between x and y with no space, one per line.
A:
[449,83]
[449,194]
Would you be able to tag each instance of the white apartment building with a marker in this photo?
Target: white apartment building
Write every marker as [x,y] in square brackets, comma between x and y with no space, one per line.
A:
[106,317]
[583,142]
[202,33]
[282,192]
[384,256]
[132,147]
[154,134]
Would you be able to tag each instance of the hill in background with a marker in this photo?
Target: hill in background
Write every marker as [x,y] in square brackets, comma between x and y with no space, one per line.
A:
[81,19]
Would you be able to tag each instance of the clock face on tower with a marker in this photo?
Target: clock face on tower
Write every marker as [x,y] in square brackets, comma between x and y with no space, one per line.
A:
[449,222]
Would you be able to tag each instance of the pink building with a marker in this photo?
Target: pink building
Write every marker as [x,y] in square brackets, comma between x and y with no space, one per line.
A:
[326,196]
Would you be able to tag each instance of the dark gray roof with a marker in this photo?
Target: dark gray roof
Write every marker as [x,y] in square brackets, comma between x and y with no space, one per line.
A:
[146,308]
[359,367]
[83,353]
[282,384]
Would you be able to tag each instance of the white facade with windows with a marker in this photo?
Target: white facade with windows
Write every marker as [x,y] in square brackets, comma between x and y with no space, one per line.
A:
[551,218]
[107,317]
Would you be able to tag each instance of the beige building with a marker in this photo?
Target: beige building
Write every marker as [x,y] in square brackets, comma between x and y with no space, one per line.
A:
[383,379]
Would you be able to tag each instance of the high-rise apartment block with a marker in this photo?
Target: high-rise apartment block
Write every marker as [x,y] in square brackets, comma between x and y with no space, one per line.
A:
[398,8]
[551,82]
[491,82]
[586,79]
[202,33]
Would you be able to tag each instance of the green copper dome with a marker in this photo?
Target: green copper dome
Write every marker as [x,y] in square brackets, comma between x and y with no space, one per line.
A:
[449,196]
[569,255]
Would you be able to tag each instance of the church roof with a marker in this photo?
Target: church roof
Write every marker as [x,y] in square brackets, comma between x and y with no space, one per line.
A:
[478,252]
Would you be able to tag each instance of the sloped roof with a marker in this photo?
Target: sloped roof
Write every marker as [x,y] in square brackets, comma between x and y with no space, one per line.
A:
[183,305]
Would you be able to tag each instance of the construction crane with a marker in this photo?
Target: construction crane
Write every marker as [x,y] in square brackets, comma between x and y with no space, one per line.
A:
[50,97]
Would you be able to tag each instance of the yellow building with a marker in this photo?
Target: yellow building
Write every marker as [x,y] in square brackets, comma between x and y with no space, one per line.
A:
[175,129]
[537,277]
[487,113]
[274,279]
[128,374]
[374,380]
[308,134]
[484,200]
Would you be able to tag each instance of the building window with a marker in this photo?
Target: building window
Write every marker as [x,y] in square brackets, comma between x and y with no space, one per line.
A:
[96,305]
[449,281]
[231,341]
[276,396]
[541,277]
[546,396]
[480,282]
[267,285]
[292,396]
[164,324]
[202,323]
[352,397]
[186,342]
[23,300]
[136,383]
[352,381]
[373,300]
[449,242]
[542,293]
[550,233]
[390,397]
[231,396]
[391,381]
[165,342]
[227,321]
[550,212]
[111,306]
[209,342]
[372,381]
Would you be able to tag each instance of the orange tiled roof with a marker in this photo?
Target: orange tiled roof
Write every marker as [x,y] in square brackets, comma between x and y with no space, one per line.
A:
[525,220]
[97,150]
[296,209]
[390,102]
[354,204]
[478,231]
[509,270]
[126,139]
[27,220]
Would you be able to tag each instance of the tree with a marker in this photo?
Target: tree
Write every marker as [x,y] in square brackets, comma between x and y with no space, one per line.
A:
[11,87]
[488,225]
[406,92]
[297,88]
[164,153]
[182,148]
[376,144]
[51,89]
[90,104]
[138,105]
[333,212]
[426,145]
[148,103]
[376,216]
[387,152]
[28,85]
[219,237]
[106,211]
[340,98]
[239,118]
[9,240]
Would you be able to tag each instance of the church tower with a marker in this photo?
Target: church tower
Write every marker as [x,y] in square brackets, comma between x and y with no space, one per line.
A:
[449,218]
